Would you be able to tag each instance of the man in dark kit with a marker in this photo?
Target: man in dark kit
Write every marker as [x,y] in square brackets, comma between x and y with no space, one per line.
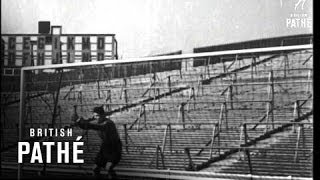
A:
[111,147]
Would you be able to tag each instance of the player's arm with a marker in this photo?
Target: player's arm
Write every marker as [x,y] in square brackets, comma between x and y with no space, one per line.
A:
[86,124]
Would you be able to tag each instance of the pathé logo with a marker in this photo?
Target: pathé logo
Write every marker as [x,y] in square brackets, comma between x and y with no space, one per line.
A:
[299,18]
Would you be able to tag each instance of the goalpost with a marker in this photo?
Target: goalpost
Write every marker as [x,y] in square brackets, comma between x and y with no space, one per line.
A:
[50,94]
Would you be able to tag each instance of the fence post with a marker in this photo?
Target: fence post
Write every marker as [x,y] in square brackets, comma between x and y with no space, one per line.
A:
[303,136]
[158,151]
[218,130]
[169,84]
[239,65]
[267,116]
[200,80]
[181,108]
[144,115]
[126,97]
[298,109]
[253,62]
[56,101]
[170,136]
[139,117]
[162,158]
[223,115]
[253,66]
[193,97]
[87,138]
[123,90]
[108,101]
[80,96]
[158,94]
[230,94]
[240,140]
[183,62]
[98,84]
[164,139]
[270,87]
[208,67]
[249,161]
[157,156]
[297,145]
[296,112]
[272,114]
[29,114]
[245,133]
[126,137]
[271,95]
[234,80]
[109,98]
[286,65]
[212,140]
[226,115]
[74,115]
[308,87]
[190,164]
[224,67]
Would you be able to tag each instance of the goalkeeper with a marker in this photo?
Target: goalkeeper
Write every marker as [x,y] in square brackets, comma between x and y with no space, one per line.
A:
[111,147]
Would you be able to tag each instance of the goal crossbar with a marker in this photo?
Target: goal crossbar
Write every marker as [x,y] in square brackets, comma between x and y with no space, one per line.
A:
[172,57]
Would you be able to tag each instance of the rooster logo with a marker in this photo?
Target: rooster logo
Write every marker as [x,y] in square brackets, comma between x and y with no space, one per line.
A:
[296,5]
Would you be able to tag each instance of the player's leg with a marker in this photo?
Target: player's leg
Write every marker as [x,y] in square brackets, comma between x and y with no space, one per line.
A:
[100,162]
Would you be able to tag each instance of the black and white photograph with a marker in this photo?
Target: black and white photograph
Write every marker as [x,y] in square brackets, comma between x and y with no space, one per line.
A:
[157,89]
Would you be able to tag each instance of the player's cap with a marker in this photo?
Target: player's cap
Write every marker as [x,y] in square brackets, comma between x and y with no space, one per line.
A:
[99,110]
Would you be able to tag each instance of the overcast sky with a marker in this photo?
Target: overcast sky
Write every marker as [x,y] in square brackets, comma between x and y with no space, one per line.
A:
[146,27]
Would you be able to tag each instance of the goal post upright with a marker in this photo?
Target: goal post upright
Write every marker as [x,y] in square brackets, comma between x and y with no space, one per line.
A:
[21,114]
